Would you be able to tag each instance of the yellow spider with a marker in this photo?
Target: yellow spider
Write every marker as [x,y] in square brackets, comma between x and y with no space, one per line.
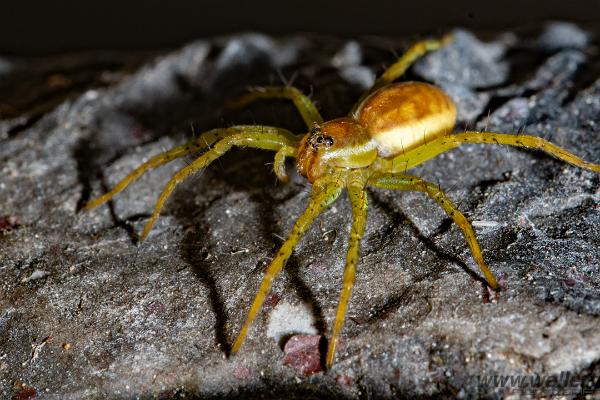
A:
[392,128]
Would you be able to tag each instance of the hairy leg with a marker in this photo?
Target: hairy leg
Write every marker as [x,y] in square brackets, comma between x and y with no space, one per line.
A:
[409,182]
[530,142]
[445,143]
[398,69]
[323,194]
[204,141]
[279,165]
[420,154]
[305,106]
[247,136]
[417,51]
[358,199]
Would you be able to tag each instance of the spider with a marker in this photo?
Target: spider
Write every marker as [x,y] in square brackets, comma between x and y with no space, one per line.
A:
[392,128]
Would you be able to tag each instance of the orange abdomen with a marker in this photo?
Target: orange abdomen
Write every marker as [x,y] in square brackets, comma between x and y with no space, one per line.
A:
[402,116]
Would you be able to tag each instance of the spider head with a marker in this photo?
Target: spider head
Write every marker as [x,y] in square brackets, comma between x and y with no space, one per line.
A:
[338,144]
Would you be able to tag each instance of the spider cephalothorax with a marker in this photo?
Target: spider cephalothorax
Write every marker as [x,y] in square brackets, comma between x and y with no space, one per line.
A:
[340,143]
[392,128]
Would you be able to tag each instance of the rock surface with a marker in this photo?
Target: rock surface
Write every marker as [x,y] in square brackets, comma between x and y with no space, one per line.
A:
[86,312]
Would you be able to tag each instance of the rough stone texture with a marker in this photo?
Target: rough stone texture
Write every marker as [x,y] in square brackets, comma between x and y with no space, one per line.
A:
[86,312]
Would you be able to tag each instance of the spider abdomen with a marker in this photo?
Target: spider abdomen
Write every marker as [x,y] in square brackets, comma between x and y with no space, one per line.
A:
[402,116]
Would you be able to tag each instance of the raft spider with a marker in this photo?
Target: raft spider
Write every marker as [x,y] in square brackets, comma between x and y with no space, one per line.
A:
[392,128]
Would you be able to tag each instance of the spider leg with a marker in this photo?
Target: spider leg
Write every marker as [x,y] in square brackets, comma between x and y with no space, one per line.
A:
[260,137]
[418,155]
[305,106]
[442,144]
[204,141]
[398,69]
[409,182]
[279,165]
[358,199]
[325,192]
[526,141]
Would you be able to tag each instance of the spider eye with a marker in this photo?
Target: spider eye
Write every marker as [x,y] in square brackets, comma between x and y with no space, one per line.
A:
[318,140]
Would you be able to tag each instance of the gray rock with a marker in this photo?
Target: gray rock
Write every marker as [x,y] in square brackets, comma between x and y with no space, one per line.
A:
[466,61]
[86,312]
[563,35]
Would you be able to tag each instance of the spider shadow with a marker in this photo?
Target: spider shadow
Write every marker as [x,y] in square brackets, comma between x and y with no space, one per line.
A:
[427,241]
[193,249]
[194,254]
[101,145]
[305,294]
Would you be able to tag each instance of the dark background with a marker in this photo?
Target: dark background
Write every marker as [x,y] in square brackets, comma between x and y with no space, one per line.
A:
[44,27]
